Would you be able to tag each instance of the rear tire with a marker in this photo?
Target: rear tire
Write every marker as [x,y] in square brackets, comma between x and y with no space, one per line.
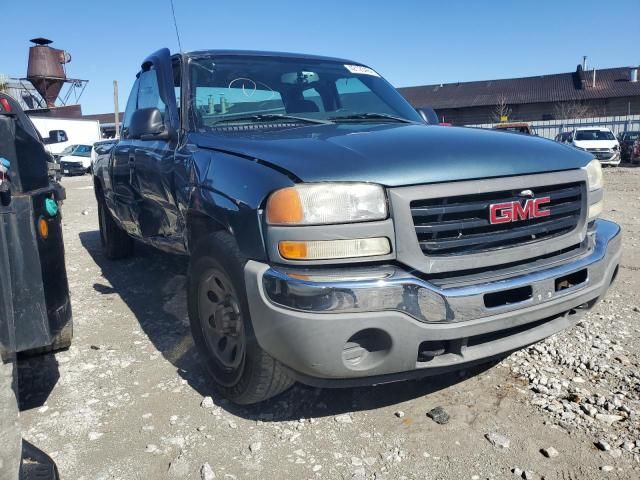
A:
[116,243]
[221,324]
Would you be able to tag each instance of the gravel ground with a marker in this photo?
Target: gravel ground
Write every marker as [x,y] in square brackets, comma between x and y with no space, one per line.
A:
[130,400]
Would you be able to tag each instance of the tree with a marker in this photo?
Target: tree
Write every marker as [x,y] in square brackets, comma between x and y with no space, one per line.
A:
[502,110]
[574,109]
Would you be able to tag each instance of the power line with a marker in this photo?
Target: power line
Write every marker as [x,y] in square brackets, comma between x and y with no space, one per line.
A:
[175,24]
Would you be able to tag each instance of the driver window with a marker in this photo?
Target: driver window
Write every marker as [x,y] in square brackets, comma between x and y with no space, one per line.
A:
[177,82]
[312,95]
[131,105]
[149,93]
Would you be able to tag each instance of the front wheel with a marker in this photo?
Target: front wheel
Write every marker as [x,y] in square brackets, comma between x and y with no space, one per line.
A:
[221,325]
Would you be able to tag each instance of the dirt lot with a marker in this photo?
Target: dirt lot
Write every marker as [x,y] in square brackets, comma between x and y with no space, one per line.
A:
[126,401]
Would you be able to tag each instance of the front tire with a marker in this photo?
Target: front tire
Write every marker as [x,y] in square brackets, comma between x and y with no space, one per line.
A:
[116,243]
[221,324]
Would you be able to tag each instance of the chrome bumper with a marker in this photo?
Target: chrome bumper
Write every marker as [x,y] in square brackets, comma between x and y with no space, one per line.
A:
[312,321]
[614,159]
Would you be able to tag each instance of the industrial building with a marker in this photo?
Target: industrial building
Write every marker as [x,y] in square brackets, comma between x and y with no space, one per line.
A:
[582,93]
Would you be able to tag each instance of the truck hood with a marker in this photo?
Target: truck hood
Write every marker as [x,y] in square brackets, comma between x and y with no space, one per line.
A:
[595,143]
[396,154]
[85,161]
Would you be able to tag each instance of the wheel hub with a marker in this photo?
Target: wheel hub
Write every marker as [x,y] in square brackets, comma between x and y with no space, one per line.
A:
[221,319]
[227,317]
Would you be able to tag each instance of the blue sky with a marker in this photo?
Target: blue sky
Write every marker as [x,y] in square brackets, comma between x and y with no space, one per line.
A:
[409,42]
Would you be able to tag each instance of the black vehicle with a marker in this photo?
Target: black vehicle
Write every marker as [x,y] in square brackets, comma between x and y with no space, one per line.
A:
[336,239]
[564,137]
[41,301]
[34,300]
[627,143]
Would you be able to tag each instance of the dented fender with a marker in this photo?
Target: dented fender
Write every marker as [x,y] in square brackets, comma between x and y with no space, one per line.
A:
[231,191]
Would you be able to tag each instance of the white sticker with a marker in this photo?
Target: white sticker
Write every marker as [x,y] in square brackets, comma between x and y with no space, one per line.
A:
[359,69]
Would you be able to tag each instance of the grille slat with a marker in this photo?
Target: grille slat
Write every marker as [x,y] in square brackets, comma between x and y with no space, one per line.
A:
[480,205]
[499,237]
[459,225]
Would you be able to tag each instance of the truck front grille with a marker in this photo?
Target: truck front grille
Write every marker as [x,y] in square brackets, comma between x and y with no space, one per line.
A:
[601,153]
[459,225]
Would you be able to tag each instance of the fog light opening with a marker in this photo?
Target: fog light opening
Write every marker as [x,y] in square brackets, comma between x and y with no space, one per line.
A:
[366,349]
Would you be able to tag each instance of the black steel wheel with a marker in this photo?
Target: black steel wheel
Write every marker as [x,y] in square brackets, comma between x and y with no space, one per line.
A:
[221,324]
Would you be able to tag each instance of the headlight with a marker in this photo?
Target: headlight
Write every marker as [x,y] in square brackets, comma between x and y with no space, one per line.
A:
[326,203]
[594,175]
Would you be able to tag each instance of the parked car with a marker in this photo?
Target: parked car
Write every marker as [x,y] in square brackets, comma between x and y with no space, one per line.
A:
[102,147]
[599,141]
[76,159]
[635,153]
[333,237]
[564,137]
[519,127]
[627,142]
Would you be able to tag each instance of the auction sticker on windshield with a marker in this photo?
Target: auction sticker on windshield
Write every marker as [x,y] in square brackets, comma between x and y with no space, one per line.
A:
[359,69]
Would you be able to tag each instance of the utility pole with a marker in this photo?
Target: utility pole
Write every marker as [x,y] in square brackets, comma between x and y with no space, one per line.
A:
[116,108]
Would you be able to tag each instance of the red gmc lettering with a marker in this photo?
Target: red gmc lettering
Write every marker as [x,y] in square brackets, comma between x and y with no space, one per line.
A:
[515,211]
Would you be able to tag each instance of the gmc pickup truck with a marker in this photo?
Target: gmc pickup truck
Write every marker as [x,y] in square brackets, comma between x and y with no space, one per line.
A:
[336,239]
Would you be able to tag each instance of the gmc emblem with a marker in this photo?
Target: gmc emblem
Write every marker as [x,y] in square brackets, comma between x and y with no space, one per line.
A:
[516,211]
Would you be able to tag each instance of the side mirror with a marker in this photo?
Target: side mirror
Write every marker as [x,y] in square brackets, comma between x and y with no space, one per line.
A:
[148,124]
[57,136]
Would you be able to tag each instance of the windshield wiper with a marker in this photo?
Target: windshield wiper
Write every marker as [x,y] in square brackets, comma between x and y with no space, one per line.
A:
[271,117]
[370,116]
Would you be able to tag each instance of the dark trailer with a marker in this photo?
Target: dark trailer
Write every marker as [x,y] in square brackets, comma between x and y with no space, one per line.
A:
[32,234]
[35,313]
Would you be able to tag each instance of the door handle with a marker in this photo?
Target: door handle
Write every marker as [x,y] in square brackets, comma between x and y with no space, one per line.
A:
[132,166]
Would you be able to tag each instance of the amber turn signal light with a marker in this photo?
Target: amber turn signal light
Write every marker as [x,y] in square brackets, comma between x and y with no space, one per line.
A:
[293,250]
[43,228]
[284,207]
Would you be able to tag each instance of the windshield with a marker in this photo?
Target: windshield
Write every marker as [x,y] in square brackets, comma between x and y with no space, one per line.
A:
[226,87]
[594,135]
[79,150]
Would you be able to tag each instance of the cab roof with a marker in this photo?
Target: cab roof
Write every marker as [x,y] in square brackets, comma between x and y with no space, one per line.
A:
[258,53]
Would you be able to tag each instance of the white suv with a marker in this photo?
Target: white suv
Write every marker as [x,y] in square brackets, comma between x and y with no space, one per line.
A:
[599,141]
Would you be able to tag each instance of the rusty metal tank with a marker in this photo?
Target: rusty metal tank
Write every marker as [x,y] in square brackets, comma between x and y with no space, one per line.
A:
[46,69]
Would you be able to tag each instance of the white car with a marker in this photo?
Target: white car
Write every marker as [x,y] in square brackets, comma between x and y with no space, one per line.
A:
[599,141]
[76,159]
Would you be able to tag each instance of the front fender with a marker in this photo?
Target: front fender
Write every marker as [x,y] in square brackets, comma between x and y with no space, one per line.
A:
[231,191]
